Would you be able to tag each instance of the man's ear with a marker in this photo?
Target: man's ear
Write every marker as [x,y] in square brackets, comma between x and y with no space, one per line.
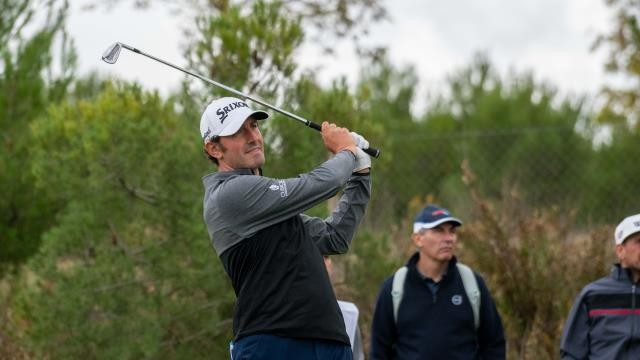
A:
[417,240]
[620,253]
[213,149]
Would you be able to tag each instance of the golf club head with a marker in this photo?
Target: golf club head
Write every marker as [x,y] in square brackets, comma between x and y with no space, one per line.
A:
[110,55]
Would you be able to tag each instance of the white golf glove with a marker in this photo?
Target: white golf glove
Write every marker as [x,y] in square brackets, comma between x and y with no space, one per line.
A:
[360,141]
[363,161]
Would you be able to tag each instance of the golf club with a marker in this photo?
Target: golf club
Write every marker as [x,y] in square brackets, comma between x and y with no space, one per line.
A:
[110,56]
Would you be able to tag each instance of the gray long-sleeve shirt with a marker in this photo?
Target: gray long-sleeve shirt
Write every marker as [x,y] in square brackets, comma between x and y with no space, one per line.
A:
[272,252]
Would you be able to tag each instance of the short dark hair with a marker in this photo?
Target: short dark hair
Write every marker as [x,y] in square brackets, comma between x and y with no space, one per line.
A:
[215,140]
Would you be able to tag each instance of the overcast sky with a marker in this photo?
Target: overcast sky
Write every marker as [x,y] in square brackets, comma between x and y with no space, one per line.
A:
[551,38]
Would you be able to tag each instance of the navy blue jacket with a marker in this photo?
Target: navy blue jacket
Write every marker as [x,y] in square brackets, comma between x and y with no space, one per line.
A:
[435,326]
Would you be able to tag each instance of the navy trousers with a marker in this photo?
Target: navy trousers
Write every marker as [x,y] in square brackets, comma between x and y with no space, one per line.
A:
[271,347]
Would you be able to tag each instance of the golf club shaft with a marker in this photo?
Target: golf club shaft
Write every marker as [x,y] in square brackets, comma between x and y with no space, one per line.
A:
[371,151]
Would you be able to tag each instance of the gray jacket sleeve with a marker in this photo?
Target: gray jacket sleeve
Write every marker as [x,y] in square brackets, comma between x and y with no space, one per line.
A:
[243,205]
[333,235]
[575,336]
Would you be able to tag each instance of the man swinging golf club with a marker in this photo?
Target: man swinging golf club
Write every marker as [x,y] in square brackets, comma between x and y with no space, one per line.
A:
[285,307]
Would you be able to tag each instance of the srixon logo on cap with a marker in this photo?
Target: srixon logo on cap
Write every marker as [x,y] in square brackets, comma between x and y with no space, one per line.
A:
[439,212]
[206,134]
[223,112]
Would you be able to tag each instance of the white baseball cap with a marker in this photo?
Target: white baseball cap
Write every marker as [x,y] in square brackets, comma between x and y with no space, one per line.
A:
[225,116]
[629,226]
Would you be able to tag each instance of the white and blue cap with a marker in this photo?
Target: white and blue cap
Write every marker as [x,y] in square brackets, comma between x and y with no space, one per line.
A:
[225,116]
[432,216]
[627,227]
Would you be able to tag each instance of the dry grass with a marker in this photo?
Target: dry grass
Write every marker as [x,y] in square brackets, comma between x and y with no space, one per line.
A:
[535,263]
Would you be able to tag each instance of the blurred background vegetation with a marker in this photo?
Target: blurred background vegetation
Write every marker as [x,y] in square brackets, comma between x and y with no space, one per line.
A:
[103,251]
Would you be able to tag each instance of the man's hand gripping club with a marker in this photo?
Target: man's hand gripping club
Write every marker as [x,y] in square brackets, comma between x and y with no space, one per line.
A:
[337,139]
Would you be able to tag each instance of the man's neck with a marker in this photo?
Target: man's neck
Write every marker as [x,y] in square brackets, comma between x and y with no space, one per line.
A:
[635,274]
[434,270]
[633,271]
[222,168]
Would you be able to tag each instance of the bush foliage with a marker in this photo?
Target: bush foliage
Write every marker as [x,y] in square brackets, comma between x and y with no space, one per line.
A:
[103,251]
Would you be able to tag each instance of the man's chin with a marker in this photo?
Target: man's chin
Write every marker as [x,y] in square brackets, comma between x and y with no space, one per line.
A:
[446,256]
[258,162]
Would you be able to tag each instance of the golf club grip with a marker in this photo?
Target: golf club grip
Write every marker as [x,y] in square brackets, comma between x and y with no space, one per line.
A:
[370,150]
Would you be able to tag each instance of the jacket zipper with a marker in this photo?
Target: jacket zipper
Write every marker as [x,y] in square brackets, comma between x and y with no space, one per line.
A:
[633,316]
